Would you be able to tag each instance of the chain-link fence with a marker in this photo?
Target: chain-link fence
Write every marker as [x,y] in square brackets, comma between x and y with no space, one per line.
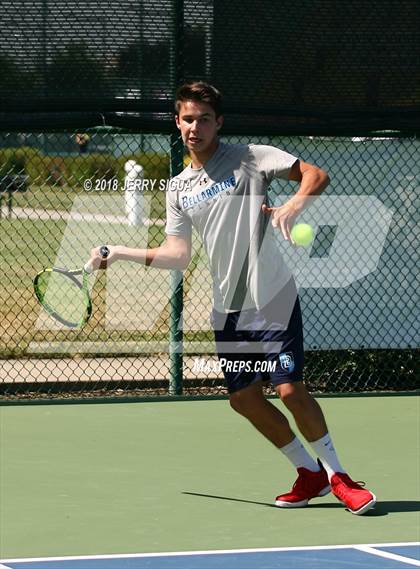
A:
[301,66]
[87,87]
[67,195]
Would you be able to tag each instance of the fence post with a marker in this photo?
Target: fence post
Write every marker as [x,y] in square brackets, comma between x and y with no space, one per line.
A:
[177,158]
[176,332]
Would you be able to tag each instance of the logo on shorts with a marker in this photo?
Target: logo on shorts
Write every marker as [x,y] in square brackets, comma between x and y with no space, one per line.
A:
[287,363]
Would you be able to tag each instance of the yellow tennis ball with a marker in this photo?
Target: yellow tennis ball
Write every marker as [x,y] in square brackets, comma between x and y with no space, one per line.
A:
[302,234]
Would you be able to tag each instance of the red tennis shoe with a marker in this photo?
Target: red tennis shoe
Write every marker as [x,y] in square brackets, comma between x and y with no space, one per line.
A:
[358,500]
[307,486]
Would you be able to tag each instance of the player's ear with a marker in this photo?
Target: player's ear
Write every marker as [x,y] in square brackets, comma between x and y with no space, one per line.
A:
[219,122]
[177,121]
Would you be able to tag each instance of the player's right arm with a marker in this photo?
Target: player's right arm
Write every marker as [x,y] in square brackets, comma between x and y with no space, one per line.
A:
[175,253]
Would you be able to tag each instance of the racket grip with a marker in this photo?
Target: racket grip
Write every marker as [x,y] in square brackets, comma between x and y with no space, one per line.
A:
[104,252]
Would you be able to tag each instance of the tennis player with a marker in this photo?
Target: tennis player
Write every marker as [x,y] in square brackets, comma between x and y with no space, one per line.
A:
[256,314]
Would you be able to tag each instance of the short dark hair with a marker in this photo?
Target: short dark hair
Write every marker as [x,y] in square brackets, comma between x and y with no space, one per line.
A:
[199,91]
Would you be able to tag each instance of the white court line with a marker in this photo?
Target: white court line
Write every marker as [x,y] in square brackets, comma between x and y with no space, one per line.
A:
[4,567]
[388,555]
[211,552]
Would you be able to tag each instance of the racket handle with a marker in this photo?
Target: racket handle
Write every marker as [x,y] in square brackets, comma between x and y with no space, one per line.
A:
[104,252]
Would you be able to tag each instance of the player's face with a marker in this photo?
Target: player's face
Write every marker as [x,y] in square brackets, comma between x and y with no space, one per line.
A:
[198,125]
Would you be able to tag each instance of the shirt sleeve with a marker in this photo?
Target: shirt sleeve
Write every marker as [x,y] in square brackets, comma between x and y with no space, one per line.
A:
[272,162]
[177,222]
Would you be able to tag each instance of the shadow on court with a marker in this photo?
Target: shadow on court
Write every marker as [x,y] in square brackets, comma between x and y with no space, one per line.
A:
[394,506]
[381,509]
[267,504]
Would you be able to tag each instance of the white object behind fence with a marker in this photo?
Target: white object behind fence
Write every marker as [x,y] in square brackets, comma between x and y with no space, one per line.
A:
[134,198]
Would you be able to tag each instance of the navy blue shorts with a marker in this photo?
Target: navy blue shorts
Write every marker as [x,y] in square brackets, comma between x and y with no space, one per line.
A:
[261,345]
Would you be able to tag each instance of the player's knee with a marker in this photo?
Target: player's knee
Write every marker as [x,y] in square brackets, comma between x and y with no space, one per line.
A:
[237,402]
[293,396]
[244,401]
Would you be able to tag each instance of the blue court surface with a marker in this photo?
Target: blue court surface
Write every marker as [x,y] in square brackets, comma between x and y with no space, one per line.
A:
[371,556]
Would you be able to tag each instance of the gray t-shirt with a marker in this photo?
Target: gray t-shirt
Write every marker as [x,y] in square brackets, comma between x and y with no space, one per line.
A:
[222,201]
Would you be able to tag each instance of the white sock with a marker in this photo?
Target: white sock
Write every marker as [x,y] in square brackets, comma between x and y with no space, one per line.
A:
[324,448]
[299,456]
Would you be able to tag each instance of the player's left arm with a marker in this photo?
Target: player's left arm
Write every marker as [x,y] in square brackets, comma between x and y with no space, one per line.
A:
[313,181]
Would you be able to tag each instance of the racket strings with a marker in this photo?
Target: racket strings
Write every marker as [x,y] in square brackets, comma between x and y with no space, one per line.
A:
[63,297]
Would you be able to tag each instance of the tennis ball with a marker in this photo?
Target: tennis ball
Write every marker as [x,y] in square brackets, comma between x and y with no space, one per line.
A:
[302,234]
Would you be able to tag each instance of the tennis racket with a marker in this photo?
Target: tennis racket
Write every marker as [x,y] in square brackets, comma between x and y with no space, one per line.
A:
[65,297]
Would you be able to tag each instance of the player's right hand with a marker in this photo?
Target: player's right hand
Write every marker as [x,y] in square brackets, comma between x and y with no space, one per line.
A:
[98,262]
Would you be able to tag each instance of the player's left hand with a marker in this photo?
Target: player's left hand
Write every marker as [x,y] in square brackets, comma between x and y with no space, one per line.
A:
[282,217]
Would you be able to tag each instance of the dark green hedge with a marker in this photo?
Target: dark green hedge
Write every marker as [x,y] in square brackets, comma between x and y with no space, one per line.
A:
[73,170]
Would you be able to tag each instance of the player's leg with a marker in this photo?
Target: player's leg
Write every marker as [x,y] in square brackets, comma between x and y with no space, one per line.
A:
[309,419]
[244,384]
[306,411]
[311,422]
[282,341]
[251,403]
[237,341]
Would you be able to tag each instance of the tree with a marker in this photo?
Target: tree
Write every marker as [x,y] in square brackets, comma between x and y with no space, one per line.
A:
[75,69]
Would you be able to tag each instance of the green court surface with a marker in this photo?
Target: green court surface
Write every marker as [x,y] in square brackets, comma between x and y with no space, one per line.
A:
[193,475]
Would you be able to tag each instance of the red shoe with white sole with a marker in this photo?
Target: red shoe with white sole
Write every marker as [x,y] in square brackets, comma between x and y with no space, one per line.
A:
[307,486]
[358,500]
